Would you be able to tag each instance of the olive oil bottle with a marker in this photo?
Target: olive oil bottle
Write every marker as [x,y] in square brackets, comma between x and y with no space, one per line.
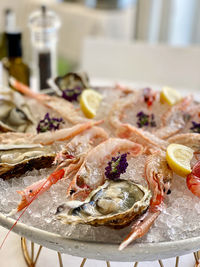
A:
[14,63]
[9,25]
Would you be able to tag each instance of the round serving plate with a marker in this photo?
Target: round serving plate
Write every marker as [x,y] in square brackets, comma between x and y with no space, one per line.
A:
[103,251]
[106,251]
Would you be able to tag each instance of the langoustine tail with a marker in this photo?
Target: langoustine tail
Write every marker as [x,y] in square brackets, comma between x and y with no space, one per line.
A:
[38,190]
[48,138]
[24,89]
[140,228]
[30,193]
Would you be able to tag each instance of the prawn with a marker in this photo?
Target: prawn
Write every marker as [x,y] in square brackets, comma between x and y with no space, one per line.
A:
[159,177]
[69,161]
[137,135]
[154,117]
[191,140]
[88,178]
[193,180]
[63,107]
[49,137]
[176,118]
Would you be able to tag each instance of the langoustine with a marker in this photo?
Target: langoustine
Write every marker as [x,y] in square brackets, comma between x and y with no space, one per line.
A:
[153,122]
[191,140]
[67,163]
[91,173]
[20,152]
[61,106]
[158,176]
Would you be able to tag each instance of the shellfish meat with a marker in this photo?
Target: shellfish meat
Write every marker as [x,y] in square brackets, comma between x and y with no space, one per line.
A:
[15,115]
[115,204]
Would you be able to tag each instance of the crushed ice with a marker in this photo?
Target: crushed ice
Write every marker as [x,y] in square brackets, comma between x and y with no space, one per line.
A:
[177,221]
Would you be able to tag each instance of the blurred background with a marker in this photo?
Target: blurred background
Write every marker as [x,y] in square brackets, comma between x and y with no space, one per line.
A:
[172,22]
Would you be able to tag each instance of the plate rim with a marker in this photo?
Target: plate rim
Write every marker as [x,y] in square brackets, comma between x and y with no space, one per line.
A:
[103,251]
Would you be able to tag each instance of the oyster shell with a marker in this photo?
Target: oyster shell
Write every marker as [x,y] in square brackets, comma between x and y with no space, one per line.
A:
[115,203]
[72,80]
[15,115]
[17,159]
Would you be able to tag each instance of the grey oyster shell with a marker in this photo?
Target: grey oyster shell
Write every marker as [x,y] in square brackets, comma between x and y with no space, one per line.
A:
[15,160]
[15,114]
[72,80]
[115,204]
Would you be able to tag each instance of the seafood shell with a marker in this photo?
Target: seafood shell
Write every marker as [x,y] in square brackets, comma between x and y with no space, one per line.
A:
[72,80]
[115,204]
[15,115]
[15,160]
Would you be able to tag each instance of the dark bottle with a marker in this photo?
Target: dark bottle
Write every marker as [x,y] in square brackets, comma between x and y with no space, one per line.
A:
[9,26]
[14,63]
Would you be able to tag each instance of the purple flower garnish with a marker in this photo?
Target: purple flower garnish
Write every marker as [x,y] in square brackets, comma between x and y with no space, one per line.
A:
[145,120]
[116,167]
[49,124]
[72,94]
[196,127]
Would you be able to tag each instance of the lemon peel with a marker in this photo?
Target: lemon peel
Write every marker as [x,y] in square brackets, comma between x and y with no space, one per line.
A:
[170,96]
[89,102]
[178,158]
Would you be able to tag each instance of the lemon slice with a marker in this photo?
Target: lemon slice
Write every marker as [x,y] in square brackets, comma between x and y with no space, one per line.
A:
[178,158]
[170,96]
[89,102]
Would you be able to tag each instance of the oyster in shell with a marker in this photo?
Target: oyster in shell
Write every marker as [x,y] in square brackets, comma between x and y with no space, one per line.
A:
[17,159]
[15,115]
[72,80]
[70,85]
[115,203]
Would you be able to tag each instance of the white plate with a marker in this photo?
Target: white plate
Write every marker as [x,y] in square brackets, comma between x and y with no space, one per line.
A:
[103,251]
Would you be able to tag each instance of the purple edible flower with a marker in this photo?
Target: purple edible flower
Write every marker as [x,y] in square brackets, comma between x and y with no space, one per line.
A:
[72,94]
[145,120]
[116,167]
[49,124]
[196,127]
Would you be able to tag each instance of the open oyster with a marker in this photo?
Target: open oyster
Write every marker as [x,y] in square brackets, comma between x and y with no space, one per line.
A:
[15,115]
[72,80]
[115,203]
[70,86]
[17,159]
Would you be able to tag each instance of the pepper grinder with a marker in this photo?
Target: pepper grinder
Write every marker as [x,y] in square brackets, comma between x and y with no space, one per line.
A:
[44,25]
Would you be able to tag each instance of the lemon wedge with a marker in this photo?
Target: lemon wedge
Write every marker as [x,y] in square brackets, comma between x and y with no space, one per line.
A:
[89,102]
[178,158]
[170,96]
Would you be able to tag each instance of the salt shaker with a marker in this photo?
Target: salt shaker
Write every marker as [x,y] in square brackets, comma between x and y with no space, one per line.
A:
[44,25]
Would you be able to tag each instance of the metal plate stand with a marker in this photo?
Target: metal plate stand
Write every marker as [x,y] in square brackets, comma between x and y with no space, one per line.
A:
[31,256]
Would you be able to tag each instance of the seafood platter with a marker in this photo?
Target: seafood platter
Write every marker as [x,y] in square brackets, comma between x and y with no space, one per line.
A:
[104,169]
